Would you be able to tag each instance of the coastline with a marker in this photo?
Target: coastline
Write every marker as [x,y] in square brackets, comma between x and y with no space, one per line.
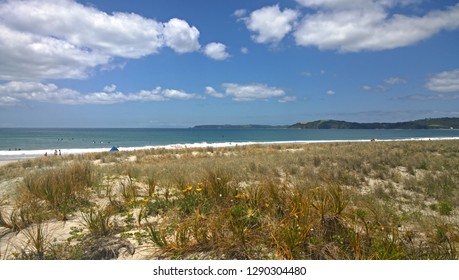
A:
[7,157]
[402,187]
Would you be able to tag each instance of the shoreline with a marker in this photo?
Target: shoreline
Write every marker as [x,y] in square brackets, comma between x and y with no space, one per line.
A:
[399,188]
[7,157]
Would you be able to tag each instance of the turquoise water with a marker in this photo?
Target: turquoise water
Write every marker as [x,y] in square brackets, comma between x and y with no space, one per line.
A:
[24,139]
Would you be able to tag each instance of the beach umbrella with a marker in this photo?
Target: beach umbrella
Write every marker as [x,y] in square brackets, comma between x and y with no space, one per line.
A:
[114,149]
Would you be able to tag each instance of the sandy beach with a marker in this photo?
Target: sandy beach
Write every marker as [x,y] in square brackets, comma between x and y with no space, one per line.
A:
[270,201]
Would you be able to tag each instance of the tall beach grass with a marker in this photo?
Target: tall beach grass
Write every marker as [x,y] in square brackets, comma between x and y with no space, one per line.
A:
[378,200]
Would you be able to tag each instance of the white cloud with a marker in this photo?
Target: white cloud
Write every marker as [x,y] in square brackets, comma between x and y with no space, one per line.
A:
[395,81]
[216,51]
[333,4]
[345,4]
[251,92]
[27,56]
[287,99]
[110,88]
[368,25]
[180,36]
[366,88]
[212,92]
[270,23]
[447,81]
[120,34]
[240,13]
[38,92]
[244,50]
[7,101]
[63,39]
[330,92]
[178,94]
[17,91]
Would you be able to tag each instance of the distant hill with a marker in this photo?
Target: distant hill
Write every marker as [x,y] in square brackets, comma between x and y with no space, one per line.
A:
[437,123]
[244,126]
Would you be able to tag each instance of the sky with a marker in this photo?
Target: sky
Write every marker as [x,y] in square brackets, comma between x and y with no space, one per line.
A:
[180,63]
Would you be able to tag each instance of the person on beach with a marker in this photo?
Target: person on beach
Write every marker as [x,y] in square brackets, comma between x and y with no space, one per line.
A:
[59,151]
[55,152]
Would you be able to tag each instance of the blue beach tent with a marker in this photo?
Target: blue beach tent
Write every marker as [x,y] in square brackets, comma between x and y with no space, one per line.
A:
[114,149]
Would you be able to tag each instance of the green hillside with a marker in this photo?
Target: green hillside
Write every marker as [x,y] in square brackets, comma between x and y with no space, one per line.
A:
[437,123]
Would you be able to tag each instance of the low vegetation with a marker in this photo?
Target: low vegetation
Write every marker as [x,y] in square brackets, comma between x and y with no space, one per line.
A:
[378,200]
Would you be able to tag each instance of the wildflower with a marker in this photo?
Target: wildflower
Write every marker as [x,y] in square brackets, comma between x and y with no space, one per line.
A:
[238,196]
[251,212]
[187,189]
[266,205]
[198,189]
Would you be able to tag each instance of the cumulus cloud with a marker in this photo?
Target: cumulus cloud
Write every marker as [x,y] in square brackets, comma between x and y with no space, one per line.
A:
[7,101]
[61,39]
[17,91]
[110,88]
[27,56]
[180,36]
[212,92]
[270,23]
[445,82]
[339,3]
[216,51]
[350,25]
[368,25]
[251,92]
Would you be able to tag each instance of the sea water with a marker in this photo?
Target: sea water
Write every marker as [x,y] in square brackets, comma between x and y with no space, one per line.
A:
[22,143]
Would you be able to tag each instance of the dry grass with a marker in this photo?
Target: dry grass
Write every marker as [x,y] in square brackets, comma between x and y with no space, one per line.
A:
[383,200]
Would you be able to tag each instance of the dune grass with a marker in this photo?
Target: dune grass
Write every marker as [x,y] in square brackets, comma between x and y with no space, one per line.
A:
[379,200]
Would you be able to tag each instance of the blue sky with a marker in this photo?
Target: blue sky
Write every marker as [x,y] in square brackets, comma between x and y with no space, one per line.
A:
[171,63]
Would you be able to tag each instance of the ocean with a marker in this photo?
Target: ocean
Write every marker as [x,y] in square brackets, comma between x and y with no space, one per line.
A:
[23,143]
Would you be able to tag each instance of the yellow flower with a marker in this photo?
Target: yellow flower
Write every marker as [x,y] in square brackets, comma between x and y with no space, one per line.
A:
[198,189]
[188,188]
[238,196]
